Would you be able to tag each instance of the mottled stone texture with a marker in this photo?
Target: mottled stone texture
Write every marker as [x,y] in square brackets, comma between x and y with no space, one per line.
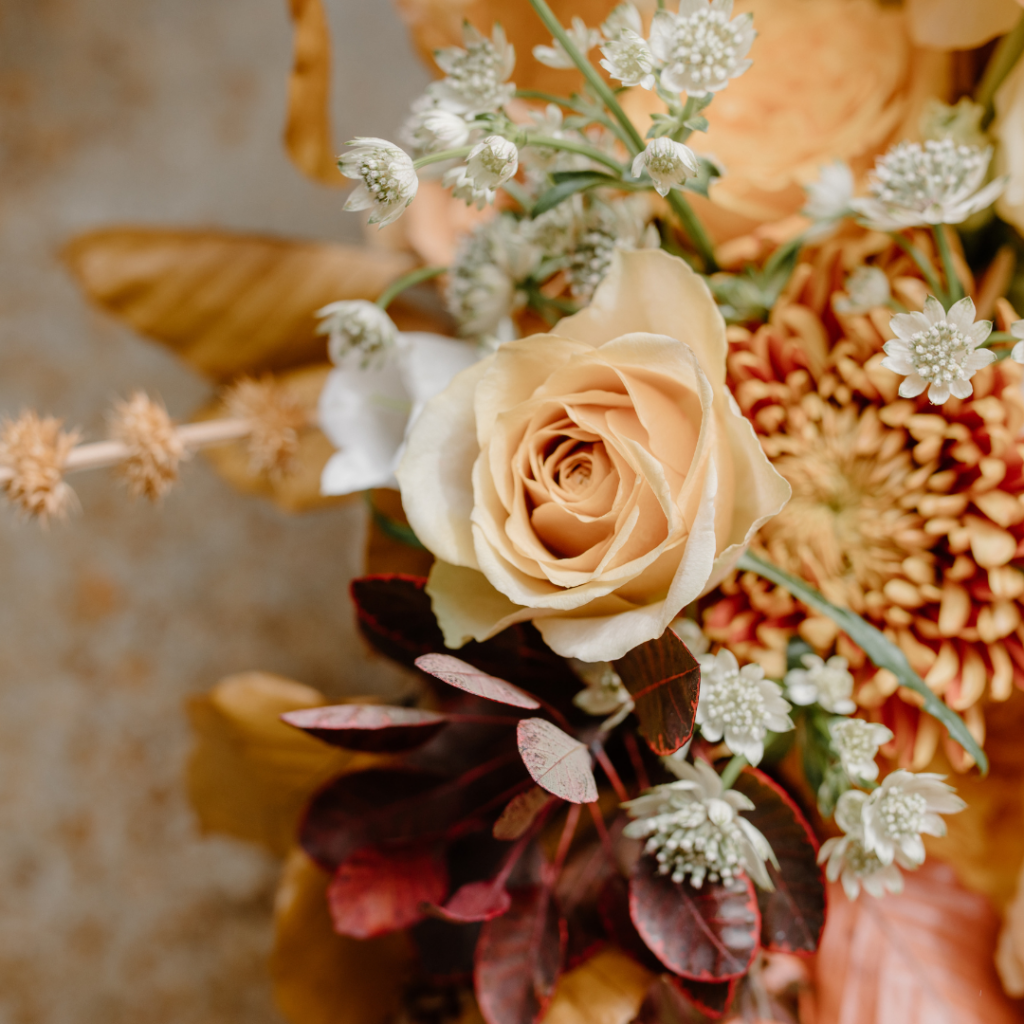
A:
[112,907]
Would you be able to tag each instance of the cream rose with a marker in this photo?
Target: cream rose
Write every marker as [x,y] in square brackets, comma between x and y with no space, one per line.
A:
[595,480]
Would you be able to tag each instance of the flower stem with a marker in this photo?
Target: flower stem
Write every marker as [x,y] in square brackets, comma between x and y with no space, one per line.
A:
[591,152]
[954,287]
[410,280]
[922,264]
[444,154]
[732,770]
[694,229]
[1000,64]
[594,113]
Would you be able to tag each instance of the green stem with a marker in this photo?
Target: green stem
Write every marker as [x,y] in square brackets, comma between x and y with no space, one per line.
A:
[694,229]
[410,280]
[954,287]
[999,338]
[444,154]
[518,193]
[999,66]
[586,110]
[591,152]
[918,257]
[594,80]
[732,770]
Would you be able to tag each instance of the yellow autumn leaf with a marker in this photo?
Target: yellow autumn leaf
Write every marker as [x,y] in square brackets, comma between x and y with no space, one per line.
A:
[606,989]
[320,977]
[228,303]
[250,774]
[307,133]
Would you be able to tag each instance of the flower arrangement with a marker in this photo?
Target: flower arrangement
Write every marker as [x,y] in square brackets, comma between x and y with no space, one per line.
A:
[718,495]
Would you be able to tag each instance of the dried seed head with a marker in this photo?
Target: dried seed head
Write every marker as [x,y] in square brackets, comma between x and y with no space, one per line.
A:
[35,450]
[277,418]
[154,449]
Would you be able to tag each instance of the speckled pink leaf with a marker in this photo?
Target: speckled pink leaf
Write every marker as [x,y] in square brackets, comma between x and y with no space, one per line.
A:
[556,761]
[464,676]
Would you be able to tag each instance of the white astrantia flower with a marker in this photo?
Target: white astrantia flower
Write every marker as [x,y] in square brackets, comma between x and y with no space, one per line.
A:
[477,75]
[463,187]
[938,350]
[554,56]
[1017,330]
[866,288]
[699,48]
[669,163]
[624,18]
[386,176]
[604,693]
[826,683]
[829,197]
[693,829]
[357,328]
[628,59]
[857,742]
[492,162]
[739,705]
[366,413]
[431,128]
[692,635]
[849,860]
[904,807]
[938,182]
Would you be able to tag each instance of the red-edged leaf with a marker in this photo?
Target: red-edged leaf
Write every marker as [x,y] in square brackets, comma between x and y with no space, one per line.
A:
[793,916]
[707,934]
[464,676]
[520,812]
[664,680]
[519,958]
[556,761]
[377,891]
[712,998]
[475,901]
[369,727]
[666,1004]
[613,908]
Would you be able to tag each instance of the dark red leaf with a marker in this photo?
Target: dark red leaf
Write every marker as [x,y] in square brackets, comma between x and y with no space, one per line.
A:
[613,907]
[666,1004]
[520,813]
[464,676]
[377,891]
[712,998]
[792,917]
[368,727]
[519,958]
[475,901]
[664,680]
[707,934]
[556,761]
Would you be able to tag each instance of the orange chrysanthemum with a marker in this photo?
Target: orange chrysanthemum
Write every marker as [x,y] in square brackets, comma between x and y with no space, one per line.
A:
[912,515]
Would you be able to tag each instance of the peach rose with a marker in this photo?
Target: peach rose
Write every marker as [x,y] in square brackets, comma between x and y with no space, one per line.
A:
[595,480]
[960,25]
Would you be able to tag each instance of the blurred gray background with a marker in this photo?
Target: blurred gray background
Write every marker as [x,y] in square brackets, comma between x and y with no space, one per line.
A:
[112,907]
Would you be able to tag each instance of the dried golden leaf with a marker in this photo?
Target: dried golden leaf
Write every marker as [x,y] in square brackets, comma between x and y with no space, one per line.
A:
[923,957]
[307,133]
[385,552]
[437,23]
[323,978]
[227,303]
[249,774]
[606,989]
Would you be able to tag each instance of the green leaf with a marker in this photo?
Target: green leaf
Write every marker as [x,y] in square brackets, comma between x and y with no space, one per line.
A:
[568,183]
[882,651]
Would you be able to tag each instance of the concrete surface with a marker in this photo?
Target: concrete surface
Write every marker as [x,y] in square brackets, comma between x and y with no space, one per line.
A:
[112,908]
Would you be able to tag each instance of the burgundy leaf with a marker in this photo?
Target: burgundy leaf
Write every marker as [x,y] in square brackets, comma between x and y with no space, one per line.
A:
[519,958]
[613,907]
[464,676]
[792,917]
[712,998]
[664,680]
[520,813]
[475,901]
[556,761]
[707,934]
[368,727]
[377,891]
[665,1003]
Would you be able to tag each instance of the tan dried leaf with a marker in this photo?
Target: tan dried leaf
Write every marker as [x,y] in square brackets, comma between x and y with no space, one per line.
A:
[249,774]
[923,957]
[227,303]
[323,978]
[307,133]
[606,989]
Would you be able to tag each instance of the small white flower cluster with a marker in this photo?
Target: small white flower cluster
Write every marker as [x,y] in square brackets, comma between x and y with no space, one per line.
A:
[489,165]
[739,705]
[555,56]
[883,829]
[694,831]
[627,56]
[604,693]
[857,743]
[357,328]
[669,164]
[938,350]
[386,176]
[827,683]
[476,74]
[866,288]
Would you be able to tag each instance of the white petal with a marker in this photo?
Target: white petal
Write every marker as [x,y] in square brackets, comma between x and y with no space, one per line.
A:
[902,364]
[938,394]
[934,312]
[913,386]
[961,314]
[980,331]
[981,358]
[906,325]
[1017,354]
[961,388]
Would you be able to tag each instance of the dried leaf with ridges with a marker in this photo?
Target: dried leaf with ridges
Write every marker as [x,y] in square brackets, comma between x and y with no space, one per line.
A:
[464,676]
[520,813]
[556,761]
